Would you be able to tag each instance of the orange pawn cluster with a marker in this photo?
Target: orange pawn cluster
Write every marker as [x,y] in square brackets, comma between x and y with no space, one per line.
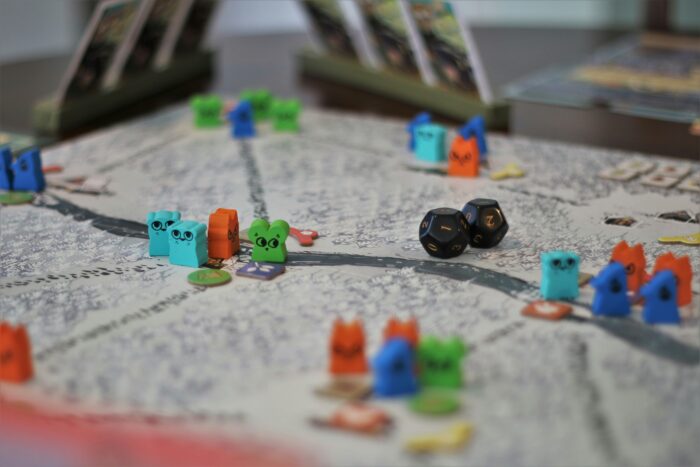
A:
[15,354]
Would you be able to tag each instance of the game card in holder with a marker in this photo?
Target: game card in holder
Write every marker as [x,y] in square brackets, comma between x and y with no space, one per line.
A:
[385,24]
[172,33]
[329,28]
[108,27]
[448,46]
[195,27]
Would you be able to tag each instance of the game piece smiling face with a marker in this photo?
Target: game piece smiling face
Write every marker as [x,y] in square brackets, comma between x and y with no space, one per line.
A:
[27,174]
[440,362]
[5,168]
[15,354]
[404,329]
[660,301]
[430,143]
[559,275]
[207,111]
[158,223]
[683,272]
[268,240]
[393,369]
[347,348]
[611,291]
[463,159]
[632,259]
[188,243]
[285,115]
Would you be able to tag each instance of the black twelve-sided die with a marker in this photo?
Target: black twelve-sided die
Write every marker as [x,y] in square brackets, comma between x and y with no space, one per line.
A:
[444,232]
[487,225]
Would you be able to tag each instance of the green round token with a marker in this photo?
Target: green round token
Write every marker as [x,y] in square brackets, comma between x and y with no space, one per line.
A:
[434,403]
[209,277]
[16,197]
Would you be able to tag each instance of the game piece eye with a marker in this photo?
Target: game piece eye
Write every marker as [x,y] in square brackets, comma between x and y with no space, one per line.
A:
[176,234]
[446,365]
[453,155]
[188,235]
[169,223]
[629,269]
[261,241]
[571,261]
[398,366]
[274,243]
[337,349]
[23,165]
[664,293]
[615,286]
[156,225]
[556,263]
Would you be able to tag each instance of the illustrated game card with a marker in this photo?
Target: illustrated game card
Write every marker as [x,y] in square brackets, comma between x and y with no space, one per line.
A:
[192,33]
[107,29]
[329,28]
[151,36]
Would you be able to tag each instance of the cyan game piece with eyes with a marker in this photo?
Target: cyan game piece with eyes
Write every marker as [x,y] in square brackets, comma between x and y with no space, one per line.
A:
[660,305]
[241,119]
[559,275]
[476,127]
[27,173]
[188,243]
[158,223]
[420,119]
[5,168]
[261,100]
[207,111]
[394,369]
[440,362]
[430,142]
[285,115]
[269,240]
[610,286]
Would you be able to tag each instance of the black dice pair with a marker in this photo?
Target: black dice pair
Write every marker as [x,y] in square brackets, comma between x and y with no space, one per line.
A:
[446,232]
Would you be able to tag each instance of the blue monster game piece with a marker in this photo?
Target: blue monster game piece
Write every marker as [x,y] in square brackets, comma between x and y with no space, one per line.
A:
[476,127]
[610,286]
[660,301]
[5,168]
[188,243]
[420,119]
[241,118]
[430,142]
[559,275]
[394,369]
[27,172]
[158,223]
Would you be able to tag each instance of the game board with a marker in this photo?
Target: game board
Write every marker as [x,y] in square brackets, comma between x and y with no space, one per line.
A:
[116,332]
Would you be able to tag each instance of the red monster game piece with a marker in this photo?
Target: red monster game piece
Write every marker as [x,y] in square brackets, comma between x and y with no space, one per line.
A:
[404,329]
[632,259]
[463,158]
[223,238]
[681,268]
[347,348]
[15,354]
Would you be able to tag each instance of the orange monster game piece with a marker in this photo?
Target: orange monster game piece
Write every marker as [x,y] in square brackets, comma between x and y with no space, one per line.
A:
[632,258]
[347,348]
[223,238]
[15,354]
[404,329]
[681,268]
[463,158]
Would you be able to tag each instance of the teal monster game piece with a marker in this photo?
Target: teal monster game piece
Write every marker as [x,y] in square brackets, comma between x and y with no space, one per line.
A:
[440,362]
[188,243]
[261,100]
[207,111]
[660,299]
[559,275]
[285,115]
[158,223]
[430,142]
[268,241]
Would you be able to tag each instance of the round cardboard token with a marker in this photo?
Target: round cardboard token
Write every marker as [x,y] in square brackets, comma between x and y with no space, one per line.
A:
[209,277]
[16,197]
[434,403]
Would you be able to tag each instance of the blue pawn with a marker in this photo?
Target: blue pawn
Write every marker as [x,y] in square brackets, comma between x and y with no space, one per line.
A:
[394,369]
[188,243]
[158,223]
[420,119]
[430,142]
[27,172]
[241,118]
[476,127]
[660,305]
[5,168]
[559,275]
[611,291]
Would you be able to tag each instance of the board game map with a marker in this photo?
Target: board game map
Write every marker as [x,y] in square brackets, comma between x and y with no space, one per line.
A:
[118,333]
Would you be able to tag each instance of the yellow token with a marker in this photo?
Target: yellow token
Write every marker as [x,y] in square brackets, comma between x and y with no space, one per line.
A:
[511,170]
[455,437]
[692,239]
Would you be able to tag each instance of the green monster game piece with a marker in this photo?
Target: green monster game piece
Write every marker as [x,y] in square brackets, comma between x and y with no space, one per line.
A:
[285,115]
[207,111]
[440,362]
[261,100]
[268,241]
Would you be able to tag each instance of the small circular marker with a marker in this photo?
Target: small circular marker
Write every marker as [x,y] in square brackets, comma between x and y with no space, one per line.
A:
[16,197]
[434,403]
[209,277]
